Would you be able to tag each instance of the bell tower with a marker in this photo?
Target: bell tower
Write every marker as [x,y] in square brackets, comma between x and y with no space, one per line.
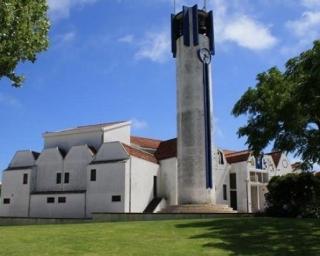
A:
[193,46]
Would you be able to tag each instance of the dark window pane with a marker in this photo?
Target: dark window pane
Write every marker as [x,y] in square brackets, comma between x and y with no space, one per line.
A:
[59,178]
[66,177]
[225,192]
[116,198]
[50,200]
[25,178]
[6,200]
[233,181]
[61,199]
[93,175]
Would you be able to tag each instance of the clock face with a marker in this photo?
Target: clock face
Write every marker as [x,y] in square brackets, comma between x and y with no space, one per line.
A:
[205,55]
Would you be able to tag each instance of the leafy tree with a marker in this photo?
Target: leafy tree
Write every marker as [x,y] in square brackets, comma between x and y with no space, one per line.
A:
[23,33]
[284,108]
[294,195]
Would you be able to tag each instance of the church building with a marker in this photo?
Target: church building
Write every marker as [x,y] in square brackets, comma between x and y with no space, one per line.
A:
[102,168]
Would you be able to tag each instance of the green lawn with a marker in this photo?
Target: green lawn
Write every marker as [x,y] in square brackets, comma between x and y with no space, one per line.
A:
[236,236]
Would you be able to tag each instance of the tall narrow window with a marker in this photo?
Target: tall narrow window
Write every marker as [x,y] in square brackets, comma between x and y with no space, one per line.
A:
[225,192]
[93,175]
[66,177]
[25,178]
[58,178]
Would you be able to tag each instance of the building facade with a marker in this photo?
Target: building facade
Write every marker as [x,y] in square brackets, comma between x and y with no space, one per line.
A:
[102,168]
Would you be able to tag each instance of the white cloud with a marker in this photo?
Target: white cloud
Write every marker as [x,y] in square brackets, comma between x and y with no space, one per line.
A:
[311,3]
[9,101]
[155,47]
[59,9]
[126,39]
[248,33]
[62,40]
[138,124]
[234,25]
[67,37]
[308,25]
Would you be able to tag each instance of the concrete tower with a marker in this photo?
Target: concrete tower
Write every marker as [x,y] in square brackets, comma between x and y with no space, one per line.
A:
[193,46]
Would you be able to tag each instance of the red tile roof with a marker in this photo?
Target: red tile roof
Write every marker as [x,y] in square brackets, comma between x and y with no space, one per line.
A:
[236,157]
[145,142]
[139,153]
[167,149]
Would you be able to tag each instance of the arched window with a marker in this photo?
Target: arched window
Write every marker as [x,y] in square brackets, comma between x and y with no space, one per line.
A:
[220,157]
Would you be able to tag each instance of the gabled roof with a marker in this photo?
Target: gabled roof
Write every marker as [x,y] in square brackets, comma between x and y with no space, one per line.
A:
[167,149]
[139,153]
[145,142]
[86,128]
[236,157]
[275,157]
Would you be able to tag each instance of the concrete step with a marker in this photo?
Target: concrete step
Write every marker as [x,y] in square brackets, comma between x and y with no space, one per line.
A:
[199,208]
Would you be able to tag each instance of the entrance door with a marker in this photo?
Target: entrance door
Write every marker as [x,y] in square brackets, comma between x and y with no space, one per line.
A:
[233,199]
[254,199]
[155,188]
[233,191]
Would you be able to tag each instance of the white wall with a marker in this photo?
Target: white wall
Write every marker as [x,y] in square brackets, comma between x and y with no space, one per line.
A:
[142,173]
[18,193]
[169,180]
[49,163]
[75,163]
[121,134]
[74,207]
[110,180]
[284,167]
[221,177]
[241,170]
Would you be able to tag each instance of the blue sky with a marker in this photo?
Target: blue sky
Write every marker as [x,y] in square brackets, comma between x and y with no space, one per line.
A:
[110,60]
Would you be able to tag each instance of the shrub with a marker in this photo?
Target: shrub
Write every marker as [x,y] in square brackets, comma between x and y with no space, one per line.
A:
[294,195]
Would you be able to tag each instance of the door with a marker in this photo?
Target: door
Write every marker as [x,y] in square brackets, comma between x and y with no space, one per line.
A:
[233,191]
[155,188]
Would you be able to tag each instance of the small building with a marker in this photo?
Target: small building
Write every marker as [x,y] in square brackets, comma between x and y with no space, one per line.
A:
[102,168]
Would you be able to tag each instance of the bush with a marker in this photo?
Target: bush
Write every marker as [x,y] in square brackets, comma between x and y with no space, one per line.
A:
[294,195]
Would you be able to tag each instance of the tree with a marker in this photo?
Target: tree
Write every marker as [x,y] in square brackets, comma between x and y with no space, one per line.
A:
[294,195]
[24,30]
[284,108]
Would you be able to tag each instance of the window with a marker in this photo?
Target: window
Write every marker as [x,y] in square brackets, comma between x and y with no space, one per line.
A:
[221,160]
[66,177]
[58,178]
[6,200]
[50,200]
[225,192]
[93,175]
[61,199]
[233,181]
[116,198]
[25,178]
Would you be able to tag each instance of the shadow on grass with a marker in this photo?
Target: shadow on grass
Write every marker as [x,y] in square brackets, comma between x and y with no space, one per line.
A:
[260,236]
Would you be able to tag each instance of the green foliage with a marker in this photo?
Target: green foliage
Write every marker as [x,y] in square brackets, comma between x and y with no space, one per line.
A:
[294,195]
[24,30]
[283,108]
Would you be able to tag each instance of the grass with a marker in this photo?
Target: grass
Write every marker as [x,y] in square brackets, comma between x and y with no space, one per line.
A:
[236,236]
